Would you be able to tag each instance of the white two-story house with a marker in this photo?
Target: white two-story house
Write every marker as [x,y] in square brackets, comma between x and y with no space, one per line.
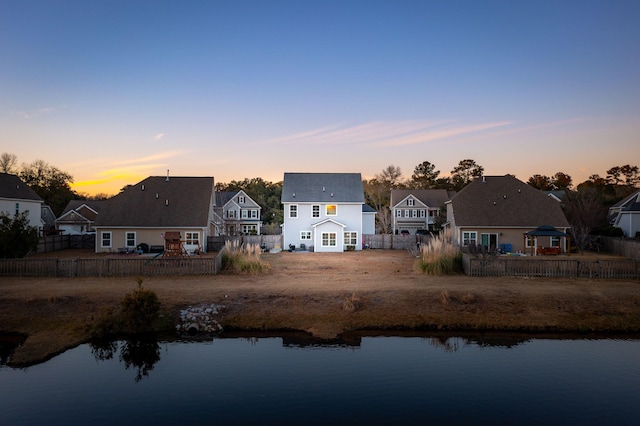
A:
[16,198]
[323,211]
[237,213]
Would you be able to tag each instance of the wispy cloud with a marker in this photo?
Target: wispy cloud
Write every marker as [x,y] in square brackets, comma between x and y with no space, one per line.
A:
[386,133]
[152,158]
[158,136]
[42,111]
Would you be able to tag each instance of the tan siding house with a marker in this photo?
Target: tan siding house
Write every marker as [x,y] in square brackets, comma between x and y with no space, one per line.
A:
[494,212]
[144,212]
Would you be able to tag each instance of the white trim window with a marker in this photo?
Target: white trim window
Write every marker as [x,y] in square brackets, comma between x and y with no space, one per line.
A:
[329,239]
[469,238]
[254,214]
[406,213]
[414,213]
[315,210]
[130,239]
[293,211]
[331,210]
[530,241]
[192,238]
[398,213]
[249,229]
[241,199]
[555,241]
[305,235]
[244,214]
[411,202]
[350,238]
[105,239]
[422,213]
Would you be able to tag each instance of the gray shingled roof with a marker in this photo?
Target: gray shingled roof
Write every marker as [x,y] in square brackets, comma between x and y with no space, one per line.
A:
[11,186]
[431,197]
[178,201]
[322,188]
[504,201]
[75,204]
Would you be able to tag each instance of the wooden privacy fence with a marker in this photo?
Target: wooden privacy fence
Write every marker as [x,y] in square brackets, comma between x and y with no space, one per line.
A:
[391,241]
[110,267]
[607,269]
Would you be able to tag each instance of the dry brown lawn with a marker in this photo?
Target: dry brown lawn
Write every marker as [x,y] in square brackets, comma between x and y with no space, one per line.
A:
[324,294]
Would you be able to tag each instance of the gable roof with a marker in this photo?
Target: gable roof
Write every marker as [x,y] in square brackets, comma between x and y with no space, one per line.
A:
[504,201]
[89,209]
[159,201]
[11,186]
[223,197]
[429,197]
[631,198]
[322,188]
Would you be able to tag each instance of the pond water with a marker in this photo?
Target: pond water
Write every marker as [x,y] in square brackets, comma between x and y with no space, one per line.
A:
[367,380]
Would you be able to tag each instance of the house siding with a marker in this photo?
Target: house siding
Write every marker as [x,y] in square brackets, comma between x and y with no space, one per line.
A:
[349,215]
[33,209]
[150,236]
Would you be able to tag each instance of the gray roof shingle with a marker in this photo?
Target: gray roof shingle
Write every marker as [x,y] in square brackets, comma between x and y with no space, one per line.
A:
[160,202]
[322,188]
[434,198]
[11,186]
[504,201]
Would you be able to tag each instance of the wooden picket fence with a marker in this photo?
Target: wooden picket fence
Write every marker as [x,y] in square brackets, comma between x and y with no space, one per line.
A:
[110,267]
[606,269]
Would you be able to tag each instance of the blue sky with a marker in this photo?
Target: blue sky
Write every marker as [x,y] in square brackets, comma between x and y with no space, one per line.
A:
[115,91]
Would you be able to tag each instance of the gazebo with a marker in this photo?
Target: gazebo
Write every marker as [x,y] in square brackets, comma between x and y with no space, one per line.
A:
[546,231]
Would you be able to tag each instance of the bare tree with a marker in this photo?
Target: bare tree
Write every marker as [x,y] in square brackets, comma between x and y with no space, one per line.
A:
[585,212]
[377,195]
[8,163]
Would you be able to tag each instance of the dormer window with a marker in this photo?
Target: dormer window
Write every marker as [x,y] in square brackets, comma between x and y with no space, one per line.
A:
[411,202]
[241,199]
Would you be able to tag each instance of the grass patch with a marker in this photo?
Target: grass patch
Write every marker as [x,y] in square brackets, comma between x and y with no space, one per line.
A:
[243,258]
[440,256]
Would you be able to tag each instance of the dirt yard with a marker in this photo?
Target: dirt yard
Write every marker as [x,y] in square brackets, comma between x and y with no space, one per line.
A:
[323,294]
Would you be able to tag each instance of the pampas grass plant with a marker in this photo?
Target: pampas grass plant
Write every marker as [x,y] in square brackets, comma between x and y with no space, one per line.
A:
[440,256]
[243,258]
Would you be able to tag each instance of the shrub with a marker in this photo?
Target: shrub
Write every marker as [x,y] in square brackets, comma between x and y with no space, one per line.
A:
[17,237]
[440,256]
[140,310]
[243,258]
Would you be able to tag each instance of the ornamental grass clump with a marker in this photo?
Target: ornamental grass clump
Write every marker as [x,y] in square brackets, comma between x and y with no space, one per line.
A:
[440,256]
[243,258]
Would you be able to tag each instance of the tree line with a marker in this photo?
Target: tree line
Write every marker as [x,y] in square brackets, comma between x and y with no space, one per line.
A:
[585,205]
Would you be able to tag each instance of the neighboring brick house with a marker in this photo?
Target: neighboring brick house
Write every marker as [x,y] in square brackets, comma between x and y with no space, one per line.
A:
[496,211]
[144,212]
[323,211]
[416,209]
[237,213]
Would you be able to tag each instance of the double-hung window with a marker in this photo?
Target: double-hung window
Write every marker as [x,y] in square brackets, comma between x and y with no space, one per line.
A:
[105,239]
[350,238]
[305,235]
[293,210]
[332,210]
[131,239]
[469,238]
[315,211]
[192,238]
